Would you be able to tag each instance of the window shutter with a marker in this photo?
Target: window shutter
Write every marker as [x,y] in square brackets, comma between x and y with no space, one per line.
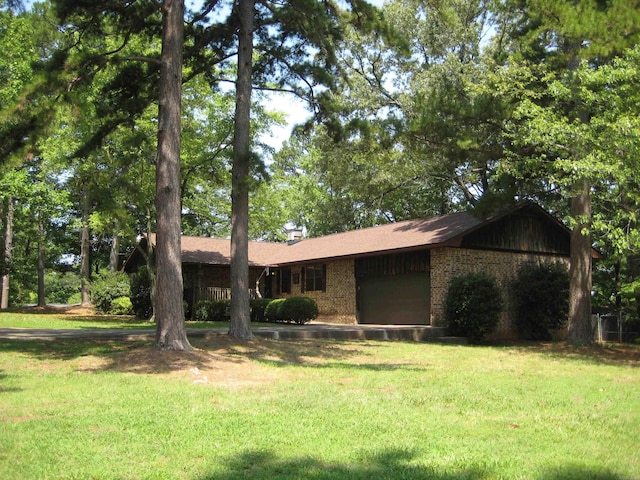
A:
[324,277]
[303,279]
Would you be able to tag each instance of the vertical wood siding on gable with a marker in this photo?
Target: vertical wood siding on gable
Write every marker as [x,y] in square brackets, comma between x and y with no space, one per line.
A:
[520,233]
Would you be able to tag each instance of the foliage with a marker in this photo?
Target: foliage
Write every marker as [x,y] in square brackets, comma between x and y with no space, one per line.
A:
[540,295]
[271,311]
[140,293]
[258,308]
[473,304]
[60,287]
[292,309]
[106,287]
[211,310]
[121,306]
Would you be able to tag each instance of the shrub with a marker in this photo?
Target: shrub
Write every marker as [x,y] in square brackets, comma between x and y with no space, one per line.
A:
[211,311]
[106,287]
[59,287]
[272,310]
[299,310]
[121,306]
[293,309]
[75,298]
[258,307]
[541,299]
[472,306]
[140,293]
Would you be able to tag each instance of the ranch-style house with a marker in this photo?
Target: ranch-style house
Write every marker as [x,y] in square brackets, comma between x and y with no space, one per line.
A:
[396,273]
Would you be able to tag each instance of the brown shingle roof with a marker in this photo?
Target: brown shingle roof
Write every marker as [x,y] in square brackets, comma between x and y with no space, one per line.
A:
[408,235]
[215,251]
[401,236]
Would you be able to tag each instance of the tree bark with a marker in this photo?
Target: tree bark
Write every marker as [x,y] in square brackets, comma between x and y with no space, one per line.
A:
[8,245]
[85,249]
[115,251]
[240,324]
[41,295]
[580,329]
[169,311]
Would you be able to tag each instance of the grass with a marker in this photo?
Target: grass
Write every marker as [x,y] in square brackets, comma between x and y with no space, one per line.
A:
[22,319]
[318,410]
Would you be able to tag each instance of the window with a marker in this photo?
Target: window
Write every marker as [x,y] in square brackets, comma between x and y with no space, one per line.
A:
[314,278]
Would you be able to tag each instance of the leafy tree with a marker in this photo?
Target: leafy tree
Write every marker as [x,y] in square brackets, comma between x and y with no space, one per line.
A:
[556,118]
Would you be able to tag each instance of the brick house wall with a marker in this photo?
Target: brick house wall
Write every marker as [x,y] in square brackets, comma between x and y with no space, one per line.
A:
[338,303]
[447,263]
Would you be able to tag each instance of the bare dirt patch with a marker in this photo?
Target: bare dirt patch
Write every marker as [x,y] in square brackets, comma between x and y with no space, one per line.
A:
[56,309]
[219,361]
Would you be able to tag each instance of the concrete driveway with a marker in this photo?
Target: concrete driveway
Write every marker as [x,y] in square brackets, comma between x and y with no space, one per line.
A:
[313,330]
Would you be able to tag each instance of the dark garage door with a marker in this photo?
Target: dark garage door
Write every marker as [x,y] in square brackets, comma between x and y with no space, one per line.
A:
[397,299]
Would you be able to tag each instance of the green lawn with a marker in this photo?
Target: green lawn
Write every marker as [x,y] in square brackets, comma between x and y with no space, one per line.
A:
[65,321]
[269,409]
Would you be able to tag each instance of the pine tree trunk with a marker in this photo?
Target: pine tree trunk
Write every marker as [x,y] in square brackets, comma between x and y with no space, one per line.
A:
[41,294]
[580,330]
[169,311]
[240,324]
[8,245]
[115,251]
[85,249]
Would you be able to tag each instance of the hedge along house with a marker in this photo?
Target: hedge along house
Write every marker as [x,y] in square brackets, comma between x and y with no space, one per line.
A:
[391,274]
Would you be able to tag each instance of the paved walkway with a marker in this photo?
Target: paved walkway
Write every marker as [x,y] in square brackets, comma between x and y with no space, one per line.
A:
[313,330]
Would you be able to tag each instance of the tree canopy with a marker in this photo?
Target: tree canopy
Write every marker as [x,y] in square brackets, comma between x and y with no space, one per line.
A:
[422,108]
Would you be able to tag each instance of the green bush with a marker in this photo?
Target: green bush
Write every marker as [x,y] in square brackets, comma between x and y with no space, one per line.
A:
[541,299]
[140,293]
[472,306]
[106,287]
[211,311]
[121,306]
[272,310]
[75,298]
[59,287]
[258,307]
[293,309]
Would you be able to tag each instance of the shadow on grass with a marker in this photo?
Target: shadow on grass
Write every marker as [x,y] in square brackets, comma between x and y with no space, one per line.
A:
[141,356]
[618,354]
[3,388]
[390,464]
[66,349]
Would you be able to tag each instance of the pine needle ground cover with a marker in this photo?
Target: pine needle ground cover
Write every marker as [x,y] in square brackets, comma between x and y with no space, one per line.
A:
[317,410]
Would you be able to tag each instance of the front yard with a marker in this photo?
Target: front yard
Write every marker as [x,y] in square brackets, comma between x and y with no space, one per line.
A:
[317,410]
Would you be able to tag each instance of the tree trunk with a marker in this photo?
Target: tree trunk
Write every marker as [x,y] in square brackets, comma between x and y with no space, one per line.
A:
[169,311]
[85,249]
[240,324]
[8,245]
[580,330]
[115,251]
[41,296]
